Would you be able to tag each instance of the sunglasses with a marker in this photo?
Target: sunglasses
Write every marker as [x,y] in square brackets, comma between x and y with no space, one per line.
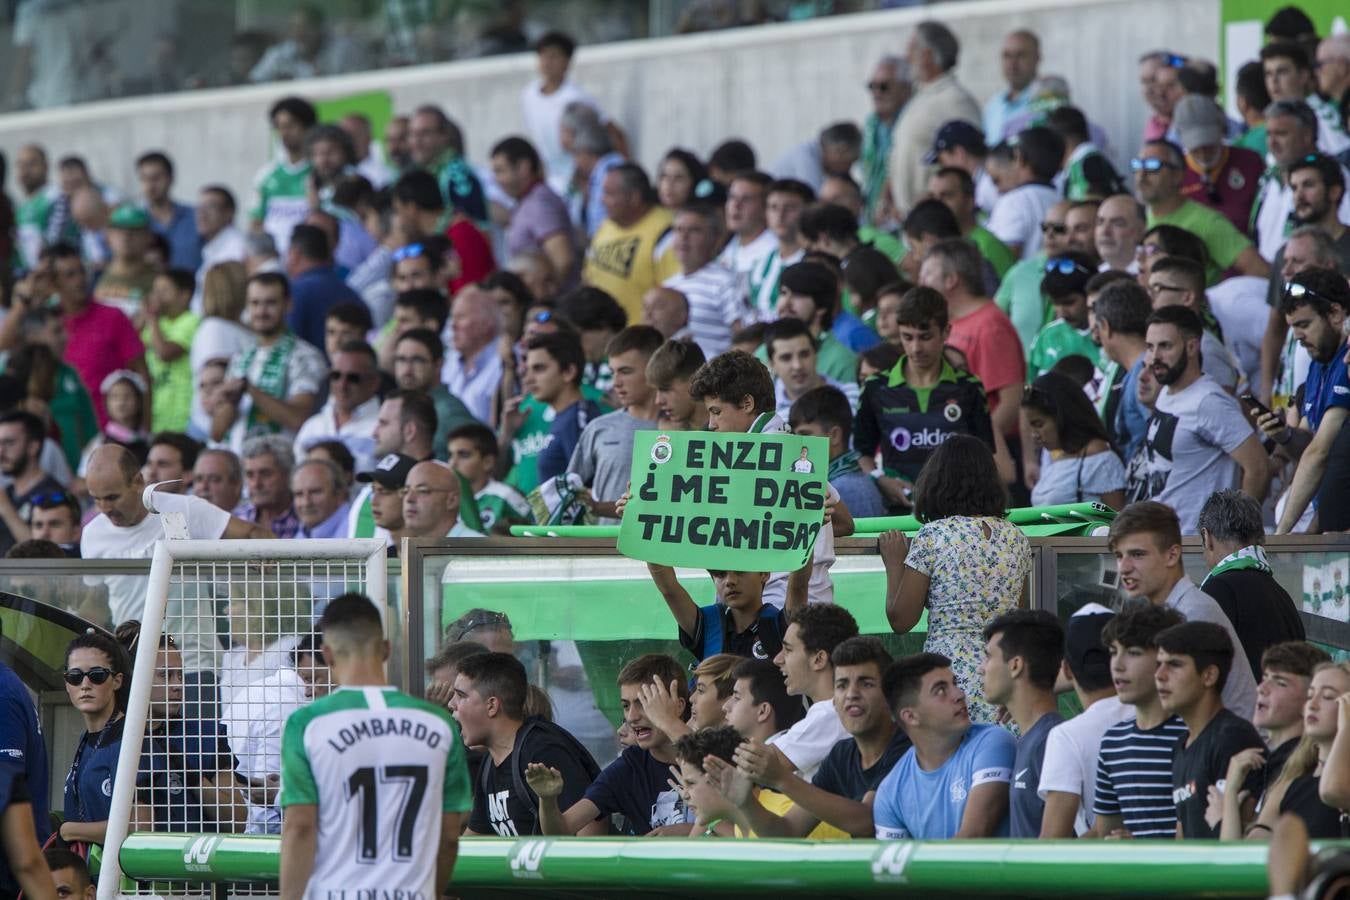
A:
[408,251]
[1296,291]
[55,498]
[1063,265]
[544,315]
[878,87]
[350,377]
[1173,61]
[98,675]
[1151,165]
[1054,228]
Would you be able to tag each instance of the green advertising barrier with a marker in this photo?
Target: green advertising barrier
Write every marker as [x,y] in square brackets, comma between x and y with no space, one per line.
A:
[749,502]
[1069,519]
[715,867]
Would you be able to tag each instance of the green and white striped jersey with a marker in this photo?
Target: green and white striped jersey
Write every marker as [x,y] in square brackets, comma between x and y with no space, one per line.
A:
[381,767]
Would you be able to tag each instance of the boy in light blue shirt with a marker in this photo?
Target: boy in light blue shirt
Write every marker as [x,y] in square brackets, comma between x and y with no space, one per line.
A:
[953,783]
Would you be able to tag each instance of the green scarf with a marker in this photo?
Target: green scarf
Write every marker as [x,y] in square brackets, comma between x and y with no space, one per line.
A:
[1253,557]
[271,380]
[844,464]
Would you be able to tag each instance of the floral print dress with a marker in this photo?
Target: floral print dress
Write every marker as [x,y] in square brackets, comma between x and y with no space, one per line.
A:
[972,579]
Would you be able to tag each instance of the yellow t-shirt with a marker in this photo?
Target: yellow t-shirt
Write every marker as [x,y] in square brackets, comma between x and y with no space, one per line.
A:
[779,804]
[623,262]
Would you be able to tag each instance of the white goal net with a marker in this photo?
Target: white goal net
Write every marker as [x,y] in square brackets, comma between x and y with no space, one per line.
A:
[226,652]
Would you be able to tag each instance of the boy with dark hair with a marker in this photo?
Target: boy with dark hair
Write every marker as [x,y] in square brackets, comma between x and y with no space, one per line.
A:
[760,706]
[1023,651]
[1134,769]
[812,634]
[1069,770]
[169,326]
[637,783]
[603,457]
[598,318]
[489,704]
[740,622]
[554,364]
[70,874]
[825,412]
[694,750]
[810,291]
[1193,661]
[345,323]
[842,790]
[670,372]
[473,454]
[909,411]
[953,783]
[1068,333]
[792,357]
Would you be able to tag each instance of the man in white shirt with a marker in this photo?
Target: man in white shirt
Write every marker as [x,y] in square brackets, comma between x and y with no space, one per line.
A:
[221,240]
[473,371]
[751,240]
[832,152]
[812,634]
[1068,782]
[1292,131]
[1017,215]
[351,411]
[1121,222]
[124,529]
[542,103]
[716,308]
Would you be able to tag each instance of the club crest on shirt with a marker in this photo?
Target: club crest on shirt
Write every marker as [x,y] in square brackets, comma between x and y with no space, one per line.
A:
[958,792]
[757,651]
[1236,181]
[106,787]
[952,411]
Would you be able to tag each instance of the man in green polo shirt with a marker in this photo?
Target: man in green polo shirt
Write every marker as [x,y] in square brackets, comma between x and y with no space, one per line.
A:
[1068,334]
[909,411]
[280,187]
[1158,171]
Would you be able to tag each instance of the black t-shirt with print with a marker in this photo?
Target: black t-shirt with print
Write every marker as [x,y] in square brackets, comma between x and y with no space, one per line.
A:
[501,810]
[1205,763]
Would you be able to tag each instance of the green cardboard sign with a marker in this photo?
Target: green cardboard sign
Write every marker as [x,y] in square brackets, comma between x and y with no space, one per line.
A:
[743,502]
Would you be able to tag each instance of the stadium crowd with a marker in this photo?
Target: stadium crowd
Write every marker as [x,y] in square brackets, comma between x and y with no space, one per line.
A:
[970,302]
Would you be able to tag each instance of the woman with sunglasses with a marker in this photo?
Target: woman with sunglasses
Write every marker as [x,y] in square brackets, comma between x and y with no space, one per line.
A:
[1082,465]
[97,681]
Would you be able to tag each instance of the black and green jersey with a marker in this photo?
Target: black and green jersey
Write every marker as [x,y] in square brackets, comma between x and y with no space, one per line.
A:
[908,423]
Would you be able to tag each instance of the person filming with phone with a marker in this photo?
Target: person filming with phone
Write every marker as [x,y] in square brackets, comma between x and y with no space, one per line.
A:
[1315,305]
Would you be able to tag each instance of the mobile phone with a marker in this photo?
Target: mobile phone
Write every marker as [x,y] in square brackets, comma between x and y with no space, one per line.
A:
[1256,406]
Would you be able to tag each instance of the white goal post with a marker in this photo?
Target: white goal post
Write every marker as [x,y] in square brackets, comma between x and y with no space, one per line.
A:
[265,596]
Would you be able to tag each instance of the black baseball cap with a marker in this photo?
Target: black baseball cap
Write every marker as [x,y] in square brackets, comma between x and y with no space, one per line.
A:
[390,472]
[957,133]
[1083,648]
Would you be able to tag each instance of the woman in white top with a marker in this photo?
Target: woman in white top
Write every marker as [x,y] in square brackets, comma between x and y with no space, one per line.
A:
[1082,466]
[219,336]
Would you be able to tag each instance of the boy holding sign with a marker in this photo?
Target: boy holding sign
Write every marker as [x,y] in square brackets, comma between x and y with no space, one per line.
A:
[740,622]
[738,393]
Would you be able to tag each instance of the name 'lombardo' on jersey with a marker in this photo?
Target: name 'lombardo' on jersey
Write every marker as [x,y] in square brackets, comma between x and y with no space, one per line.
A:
[348,736]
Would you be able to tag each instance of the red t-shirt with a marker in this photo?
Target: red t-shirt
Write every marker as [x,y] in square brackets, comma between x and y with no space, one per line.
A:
[102,340]
[991,345]
[474,252]
[1232,189]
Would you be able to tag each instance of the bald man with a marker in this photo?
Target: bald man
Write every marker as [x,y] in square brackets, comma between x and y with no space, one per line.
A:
[666,310]
[124,529]
[431,503]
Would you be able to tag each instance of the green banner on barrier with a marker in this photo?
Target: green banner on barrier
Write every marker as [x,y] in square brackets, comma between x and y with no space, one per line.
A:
[747,502]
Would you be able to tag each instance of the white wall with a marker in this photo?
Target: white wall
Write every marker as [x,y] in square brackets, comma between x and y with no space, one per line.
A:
[772,85]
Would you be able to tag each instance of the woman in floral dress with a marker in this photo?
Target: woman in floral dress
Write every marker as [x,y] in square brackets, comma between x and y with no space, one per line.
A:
[966,565]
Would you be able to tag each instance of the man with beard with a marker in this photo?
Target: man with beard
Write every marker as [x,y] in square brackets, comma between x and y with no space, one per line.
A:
[1198,440]
[1315,304]
[1291,135]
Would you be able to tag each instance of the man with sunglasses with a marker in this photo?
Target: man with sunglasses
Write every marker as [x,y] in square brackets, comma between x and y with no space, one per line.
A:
[353,406]
[890,89]
[1068,334]
[55,517]
[1158,174]
[1315,304]
[21,439]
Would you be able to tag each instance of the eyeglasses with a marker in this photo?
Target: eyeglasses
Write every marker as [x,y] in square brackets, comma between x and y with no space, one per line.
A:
[408,251]
[1054,228]
[1296,291]
[1151,164]
[350,377]
[878,87]
[98,675]
[1063,265]
[422,492]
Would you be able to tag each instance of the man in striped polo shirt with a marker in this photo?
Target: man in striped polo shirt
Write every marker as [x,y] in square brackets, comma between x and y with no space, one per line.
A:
[1134,770]
[716,305]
